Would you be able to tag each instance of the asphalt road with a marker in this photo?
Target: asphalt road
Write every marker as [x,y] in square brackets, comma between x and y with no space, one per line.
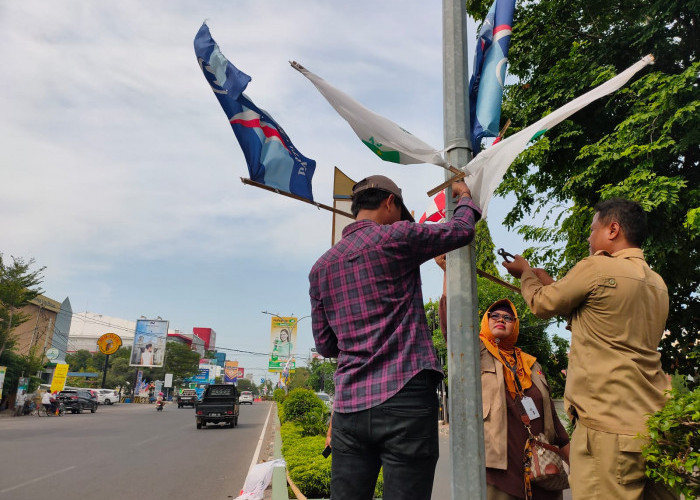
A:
[127,451]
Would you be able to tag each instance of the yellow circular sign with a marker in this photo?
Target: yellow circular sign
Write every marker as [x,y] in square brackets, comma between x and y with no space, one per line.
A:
[109,343]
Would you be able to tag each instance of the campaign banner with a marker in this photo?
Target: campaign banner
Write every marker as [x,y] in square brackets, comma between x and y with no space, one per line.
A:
[230,372]
[149,343]
[283,338]
[60,373]
[3,371]
[202,376]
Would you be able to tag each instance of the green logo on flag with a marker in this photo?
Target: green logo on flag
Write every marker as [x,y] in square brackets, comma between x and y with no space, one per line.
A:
[392,156]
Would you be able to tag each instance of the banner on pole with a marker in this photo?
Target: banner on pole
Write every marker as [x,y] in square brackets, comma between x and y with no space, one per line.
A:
[58,383]
[283,337]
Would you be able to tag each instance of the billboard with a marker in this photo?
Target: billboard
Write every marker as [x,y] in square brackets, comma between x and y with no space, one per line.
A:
[230,372]
[149,343]
[283,338]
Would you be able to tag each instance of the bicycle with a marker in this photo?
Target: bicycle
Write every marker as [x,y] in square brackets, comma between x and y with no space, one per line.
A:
[58,411]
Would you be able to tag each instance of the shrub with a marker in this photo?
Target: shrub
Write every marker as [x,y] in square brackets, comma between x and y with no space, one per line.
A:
[673,453]
[307,467]
[279,395]
[303,405]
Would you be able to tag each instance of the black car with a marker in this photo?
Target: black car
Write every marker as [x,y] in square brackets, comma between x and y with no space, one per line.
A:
[77,400]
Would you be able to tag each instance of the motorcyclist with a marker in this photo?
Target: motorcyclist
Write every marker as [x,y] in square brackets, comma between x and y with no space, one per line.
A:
[160,400]
[49,402]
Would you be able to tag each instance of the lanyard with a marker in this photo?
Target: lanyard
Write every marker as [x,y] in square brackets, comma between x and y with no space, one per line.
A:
[514,369]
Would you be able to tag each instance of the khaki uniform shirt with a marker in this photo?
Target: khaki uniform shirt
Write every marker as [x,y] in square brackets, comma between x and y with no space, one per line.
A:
[618,308]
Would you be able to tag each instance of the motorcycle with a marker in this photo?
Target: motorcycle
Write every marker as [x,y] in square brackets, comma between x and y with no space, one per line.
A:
[160,405]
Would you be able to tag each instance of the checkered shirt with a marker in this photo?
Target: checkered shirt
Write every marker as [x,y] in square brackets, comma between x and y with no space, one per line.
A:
[367,304]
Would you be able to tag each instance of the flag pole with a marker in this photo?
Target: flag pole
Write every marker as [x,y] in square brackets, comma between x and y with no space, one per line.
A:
[295,197]
[466,420]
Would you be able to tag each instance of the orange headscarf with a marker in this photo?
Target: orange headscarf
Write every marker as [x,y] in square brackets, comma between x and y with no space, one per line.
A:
[504,350]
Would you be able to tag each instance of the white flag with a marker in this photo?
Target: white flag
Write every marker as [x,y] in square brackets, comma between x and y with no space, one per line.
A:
[385,138]
[486,170]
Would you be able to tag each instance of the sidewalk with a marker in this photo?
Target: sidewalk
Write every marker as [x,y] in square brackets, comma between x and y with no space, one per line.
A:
[443,472]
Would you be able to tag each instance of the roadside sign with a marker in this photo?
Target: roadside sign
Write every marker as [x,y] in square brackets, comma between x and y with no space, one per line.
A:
[168,380]
[109,343]
[58,383]
[52,353]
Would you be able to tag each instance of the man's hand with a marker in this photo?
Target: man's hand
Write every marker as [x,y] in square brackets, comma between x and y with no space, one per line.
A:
[441,260]
[517,267]
[459,189]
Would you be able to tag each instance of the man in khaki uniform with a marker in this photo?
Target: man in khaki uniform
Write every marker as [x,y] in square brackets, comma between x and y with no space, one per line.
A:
[617,308]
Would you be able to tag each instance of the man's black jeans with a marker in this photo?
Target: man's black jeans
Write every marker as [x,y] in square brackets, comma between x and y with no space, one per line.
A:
[400,435]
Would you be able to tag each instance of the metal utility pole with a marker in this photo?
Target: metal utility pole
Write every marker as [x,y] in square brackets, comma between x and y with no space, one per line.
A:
[466,420]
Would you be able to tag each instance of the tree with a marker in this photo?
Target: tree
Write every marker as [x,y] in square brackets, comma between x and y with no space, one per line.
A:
[78,361]
[300,378]
[247,385]
[18,285]
[321,378]
[179,360]
[641,143]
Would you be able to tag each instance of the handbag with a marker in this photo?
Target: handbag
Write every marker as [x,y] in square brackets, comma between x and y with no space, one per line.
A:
[547,468]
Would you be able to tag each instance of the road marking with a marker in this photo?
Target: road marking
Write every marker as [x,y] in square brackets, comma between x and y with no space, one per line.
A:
[256,455]
[36,480]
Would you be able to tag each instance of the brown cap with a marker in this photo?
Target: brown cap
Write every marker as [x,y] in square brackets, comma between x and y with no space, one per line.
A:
[385,184]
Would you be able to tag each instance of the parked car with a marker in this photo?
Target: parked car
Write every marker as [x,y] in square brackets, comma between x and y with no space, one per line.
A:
[326,399]
[219,404]
[246,397]
[77,400]
[107,397]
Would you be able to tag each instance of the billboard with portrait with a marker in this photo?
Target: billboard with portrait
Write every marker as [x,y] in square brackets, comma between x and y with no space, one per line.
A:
[149,343]
[283,341]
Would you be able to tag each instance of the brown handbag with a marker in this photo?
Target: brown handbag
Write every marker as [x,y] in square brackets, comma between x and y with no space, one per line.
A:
[546,464]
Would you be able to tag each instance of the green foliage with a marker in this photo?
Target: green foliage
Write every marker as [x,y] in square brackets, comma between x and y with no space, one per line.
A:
[247,385]
[305,408]
[18,285]
[673,453]
[300,378]
[321,378]
[279,395]
[640,143]
[307,467]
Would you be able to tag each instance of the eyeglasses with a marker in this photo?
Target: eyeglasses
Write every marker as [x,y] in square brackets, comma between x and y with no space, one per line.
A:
[498,317]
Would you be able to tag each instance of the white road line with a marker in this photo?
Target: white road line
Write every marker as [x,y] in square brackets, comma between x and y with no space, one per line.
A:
[256,455]
[36,480]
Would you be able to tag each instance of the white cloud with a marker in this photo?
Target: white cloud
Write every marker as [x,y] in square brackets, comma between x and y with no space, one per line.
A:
[119,167]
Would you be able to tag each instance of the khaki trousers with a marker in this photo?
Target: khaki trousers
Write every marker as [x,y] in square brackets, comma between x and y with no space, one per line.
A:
[605,465]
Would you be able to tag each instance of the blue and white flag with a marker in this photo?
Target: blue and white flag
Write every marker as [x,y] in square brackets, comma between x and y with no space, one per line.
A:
[272,158]
[490,61]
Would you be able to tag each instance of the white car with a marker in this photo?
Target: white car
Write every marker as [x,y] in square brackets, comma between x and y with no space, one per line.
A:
[107,397]
[326,399]
[246,397]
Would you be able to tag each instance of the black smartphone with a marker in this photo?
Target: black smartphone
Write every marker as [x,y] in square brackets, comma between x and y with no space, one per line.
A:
[326,452]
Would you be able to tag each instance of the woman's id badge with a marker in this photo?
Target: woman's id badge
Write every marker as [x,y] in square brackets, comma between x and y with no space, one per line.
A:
[530,408]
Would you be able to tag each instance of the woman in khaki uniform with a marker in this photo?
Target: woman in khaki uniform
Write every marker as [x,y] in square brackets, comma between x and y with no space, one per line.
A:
[504,432]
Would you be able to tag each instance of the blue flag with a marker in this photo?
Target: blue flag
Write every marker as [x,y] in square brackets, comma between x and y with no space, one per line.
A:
[490,60]
[272,158]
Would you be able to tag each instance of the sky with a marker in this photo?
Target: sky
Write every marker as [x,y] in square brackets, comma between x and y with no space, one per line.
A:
[121,174]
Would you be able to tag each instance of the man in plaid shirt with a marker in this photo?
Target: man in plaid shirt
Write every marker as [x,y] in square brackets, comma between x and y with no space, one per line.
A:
[367,310]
